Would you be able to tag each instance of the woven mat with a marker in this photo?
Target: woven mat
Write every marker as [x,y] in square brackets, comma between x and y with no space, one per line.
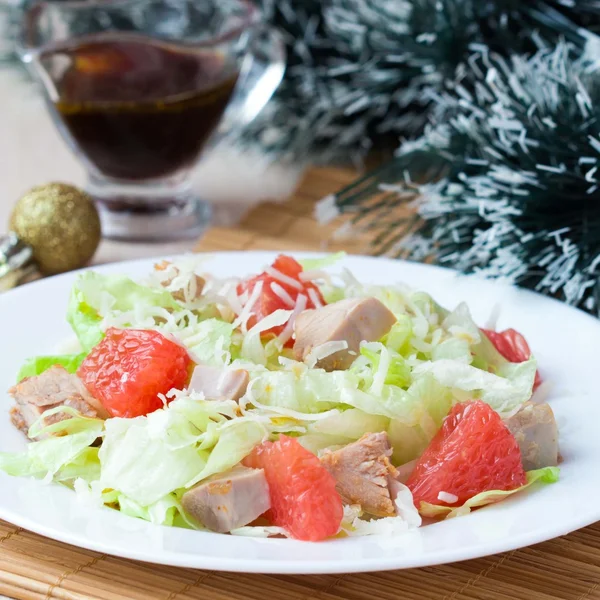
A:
[33,568]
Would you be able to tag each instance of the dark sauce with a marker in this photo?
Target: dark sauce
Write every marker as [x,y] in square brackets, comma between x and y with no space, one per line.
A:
[139,110]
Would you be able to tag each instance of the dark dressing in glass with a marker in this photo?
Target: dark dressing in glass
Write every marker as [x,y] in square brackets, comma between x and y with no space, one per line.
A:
[140,110]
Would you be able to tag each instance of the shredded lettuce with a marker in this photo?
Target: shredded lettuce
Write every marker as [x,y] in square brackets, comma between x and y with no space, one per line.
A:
[399,335]
[86,466]
[252,346]
[434,401]
[350,424]
[236,439]
[94,296]
[505,391]
[449,345]
[545,475]
[174,448]
[210,342]
[162,512]
[138,460]
[316,390]
[165,511]
[46,458]
[387,364]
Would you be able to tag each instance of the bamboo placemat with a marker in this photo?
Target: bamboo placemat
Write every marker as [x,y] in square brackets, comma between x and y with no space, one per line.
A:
[35,568]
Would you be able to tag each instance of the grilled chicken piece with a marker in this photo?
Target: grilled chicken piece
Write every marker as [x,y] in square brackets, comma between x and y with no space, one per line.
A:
[353,320]
[195,288]
[219,383]
[363,471]
[54,387]
[534,428]
[229,500]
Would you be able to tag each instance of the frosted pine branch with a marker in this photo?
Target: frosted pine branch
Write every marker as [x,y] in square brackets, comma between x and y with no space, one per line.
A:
[518,196]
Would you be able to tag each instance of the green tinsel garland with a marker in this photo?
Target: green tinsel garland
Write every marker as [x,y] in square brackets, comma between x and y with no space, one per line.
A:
[513,170]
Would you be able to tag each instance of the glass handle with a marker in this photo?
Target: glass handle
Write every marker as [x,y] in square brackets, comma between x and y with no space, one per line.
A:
[261,73]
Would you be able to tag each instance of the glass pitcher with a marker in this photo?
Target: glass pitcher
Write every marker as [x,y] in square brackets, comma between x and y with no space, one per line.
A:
[138,88]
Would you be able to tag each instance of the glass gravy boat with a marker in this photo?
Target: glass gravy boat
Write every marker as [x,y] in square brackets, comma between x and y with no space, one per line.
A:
[137,89]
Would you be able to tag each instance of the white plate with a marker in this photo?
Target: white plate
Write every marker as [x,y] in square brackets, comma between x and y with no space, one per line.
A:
[565,341]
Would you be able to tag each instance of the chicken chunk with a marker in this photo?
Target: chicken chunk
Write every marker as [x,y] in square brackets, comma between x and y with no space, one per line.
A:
[219,383]
[195,287]
[363,472]
[353,320]
[54,387]
[228,500]
[535,430]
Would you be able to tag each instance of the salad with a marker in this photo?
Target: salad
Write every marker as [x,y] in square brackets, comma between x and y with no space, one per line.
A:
[293,402]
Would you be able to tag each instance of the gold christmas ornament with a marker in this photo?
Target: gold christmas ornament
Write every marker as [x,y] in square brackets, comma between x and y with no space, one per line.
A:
[60,224]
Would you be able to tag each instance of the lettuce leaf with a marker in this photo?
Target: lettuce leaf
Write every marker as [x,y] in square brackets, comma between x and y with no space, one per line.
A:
[434,402]
[341,428]
[162,512]
[148,458]
[39,364]
[85,466]
[165,511]
[425,403]
[138,460]
[454,349]
[399,335]
[318,264]
[315,390]
[94,296]
[210,341]
[545,475]
[64,454]
[460,323]
[395,370]
[350,424]
[504,391]
[236,439]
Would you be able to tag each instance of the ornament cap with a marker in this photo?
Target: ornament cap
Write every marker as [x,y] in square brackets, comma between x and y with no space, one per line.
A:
[16,262]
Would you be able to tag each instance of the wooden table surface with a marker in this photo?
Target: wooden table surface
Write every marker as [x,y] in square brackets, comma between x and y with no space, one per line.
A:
[35,568]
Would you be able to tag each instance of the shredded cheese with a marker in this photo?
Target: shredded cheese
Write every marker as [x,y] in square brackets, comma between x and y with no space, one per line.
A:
[282,294]
[252,348]
[314,297]
[288,330]
[313,275]
[242,320]
[382,369]
[447,497]
[492,321]
[323,351]
[230,294]
[275,274]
